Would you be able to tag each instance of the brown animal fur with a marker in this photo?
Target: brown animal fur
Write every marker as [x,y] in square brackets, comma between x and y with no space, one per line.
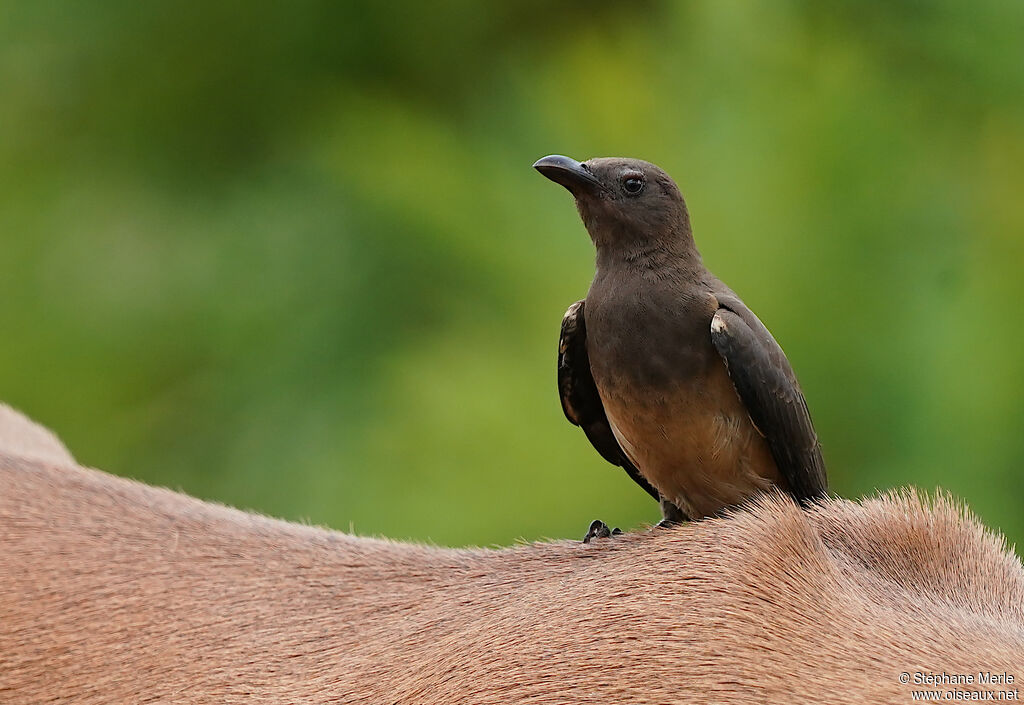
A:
[115,592]
[23,437]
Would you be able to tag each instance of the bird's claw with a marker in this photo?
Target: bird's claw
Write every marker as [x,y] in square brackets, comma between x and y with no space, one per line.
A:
[599,530]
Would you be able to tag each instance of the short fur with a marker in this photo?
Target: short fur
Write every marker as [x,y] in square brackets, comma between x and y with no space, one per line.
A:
[21,436]
[115,592]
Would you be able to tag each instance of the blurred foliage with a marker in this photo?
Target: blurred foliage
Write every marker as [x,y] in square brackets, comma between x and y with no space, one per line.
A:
[293,257]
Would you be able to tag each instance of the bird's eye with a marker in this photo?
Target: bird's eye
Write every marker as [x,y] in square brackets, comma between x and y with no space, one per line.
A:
[633,184]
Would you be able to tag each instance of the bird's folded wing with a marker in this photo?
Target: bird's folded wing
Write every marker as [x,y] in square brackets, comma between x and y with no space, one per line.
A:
[768,388]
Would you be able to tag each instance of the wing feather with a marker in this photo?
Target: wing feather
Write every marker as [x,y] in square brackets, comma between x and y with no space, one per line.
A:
[768,388]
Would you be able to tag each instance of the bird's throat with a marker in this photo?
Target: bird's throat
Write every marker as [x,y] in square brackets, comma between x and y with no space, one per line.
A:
[656,258]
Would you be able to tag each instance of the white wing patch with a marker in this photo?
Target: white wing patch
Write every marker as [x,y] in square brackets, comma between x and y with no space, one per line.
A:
[718,323]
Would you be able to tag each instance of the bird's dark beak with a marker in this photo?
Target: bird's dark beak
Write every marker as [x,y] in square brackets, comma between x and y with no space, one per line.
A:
[570,173]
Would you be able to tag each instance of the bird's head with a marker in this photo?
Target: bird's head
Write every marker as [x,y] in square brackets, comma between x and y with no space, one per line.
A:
[624,203]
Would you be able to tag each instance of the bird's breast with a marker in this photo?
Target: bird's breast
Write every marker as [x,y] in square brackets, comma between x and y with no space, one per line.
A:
[648,336]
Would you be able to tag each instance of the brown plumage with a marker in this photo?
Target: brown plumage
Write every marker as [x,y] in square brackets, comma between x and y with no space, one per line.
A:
[667,371]
[115,592]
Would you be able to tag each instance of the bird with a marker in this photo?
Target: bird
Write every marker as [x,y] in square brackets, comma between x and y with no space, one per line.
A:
[668,373]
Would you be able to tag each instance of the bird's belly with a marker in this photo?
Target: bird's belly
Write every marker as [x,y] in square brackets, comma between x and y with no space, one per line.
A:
[695,443]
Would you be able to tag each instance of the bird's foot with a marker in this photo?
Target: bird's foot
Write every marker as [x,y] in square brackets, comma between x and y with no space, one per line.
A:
[599,530]
[671,515]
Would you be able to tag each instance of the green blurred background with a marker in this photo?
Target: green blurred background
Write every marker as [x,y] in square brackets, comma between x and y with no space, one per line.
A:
[293,257]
